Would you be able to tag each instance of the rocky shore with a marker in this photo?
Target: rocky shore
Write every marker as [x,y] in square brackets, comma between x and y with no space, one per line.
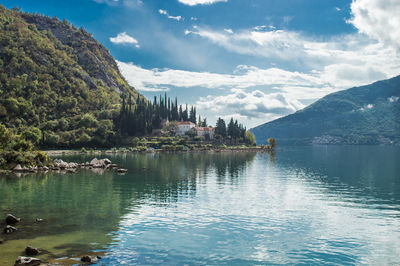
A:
[70,167]
[28,256]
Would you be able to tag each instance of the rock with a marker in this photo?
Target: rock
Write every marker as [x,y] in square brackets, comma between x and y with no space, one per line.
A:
[9,229]
[11,219]
[113,165]
[94,161]
[27,261]
[89,259]
[30,251]
[99,257]
[106,161]
[1,241]
[18,168]
[38,220]
[72,165]
[45,168]
[63,165]
[71,171]
[121,170]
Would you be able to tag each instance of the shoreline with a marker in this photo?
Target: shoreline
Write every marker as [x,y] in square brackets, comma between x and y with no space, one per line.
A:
[53,153]
[71,167]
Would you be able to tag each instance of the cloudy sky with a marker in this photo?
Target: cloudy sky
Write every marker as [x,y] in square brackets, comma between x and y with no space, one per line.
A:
[255,60]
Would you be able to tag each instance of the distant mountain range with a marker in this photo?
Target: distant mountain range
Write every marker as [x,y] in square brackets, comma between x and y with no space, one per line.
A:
[360,115]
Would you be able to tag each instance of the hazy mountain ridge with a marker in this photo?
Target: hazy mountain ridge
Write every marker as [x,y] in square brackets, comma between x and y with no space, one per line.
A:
[361,115]
[57,78]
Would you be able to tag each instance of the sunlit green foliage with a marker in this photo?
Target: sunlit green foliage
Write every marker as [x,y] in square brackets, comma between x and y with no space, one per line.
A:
[59,87]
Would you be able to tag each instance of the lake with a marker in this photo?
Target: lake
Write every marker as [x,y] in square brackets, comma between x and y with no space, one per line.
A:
[305,205]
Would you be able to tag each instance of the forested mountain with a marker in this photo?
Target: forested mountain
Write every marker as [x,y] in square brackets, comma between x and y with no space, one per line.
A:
[58,78]
[361,115]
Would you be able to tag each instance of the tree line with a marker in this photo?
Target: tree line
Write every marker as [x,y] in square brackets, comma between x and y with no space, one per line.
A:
[140,116]
[234,132]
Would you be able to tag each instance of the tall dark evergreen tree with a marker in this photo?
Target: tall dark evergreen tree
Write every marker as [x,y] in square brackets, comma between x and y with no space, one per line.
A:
[220,127]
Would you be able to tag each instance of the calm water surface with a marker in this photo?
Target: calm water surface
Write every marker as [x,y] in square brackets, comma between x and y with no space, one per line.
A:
[304,205]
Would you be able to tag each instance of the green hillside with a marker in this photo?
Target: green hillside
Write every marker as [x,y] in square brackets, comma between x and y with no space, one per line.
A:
[59,79]
[361,115]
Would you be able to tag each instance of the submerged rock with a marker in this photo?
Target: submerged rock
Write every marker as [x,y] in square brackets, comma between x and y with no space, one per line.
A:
[9,229]
[89,259]
[11,219]
[27,261]
[71,171]
[121,170]
[30,251]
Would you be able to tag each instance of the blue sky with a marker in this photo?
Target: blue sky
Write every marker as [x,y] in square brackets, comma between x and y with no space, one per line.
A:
[255,60]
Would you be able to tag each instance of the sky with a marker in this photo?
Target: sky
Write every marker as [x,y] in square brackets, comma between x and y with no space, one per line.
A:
[254,60]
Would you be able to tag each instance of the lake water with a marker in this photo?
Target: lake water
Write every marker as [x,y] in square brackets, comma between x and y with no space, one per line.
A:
[305,205]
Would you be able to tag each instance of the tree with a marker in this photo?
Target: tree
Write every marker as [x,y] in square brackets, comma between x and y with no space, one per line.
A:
[5,136]
[192,114]
[272,142]
[135,141]
[231,128]
[191,133]
[171,128]
[249,138]
[220,127]
[88,121]
[32,134]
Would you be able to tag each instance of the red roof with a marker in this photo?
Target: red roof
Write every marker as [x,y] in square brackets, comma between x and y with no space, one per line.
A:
[186,123]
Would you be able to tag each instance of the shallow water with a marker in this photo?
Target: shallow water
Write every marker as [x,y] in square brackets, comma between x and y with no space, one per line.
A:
[306,205]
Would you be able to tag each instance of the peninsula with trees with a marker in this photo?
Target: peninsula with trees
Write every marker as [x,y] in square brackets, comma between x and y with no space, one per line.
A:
[61,89]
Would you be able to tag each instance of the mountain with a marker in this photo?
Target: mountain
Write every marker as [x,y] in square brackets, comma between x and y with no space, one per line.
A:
[360,115]
[57,78]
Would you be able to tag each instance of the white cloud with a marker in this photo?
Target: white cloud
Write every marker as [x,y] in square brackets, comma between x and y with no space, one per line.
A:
[379,19]
[324,65]
[342,61]
[200,2]
[248,105]
[142,78]
[230,31]
[165,12]
[124,38]
[264,27]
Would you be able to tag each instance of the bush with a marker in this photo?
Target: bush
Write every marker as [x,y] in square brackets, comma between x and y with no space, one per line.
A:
[5,137]
[141,148]
[32,134]
[21,145]
[135,141]
[199,138]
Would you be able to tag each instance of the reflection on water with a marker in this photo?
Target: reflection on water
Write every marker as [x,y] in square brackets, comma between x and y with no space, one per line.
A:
[299,205]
